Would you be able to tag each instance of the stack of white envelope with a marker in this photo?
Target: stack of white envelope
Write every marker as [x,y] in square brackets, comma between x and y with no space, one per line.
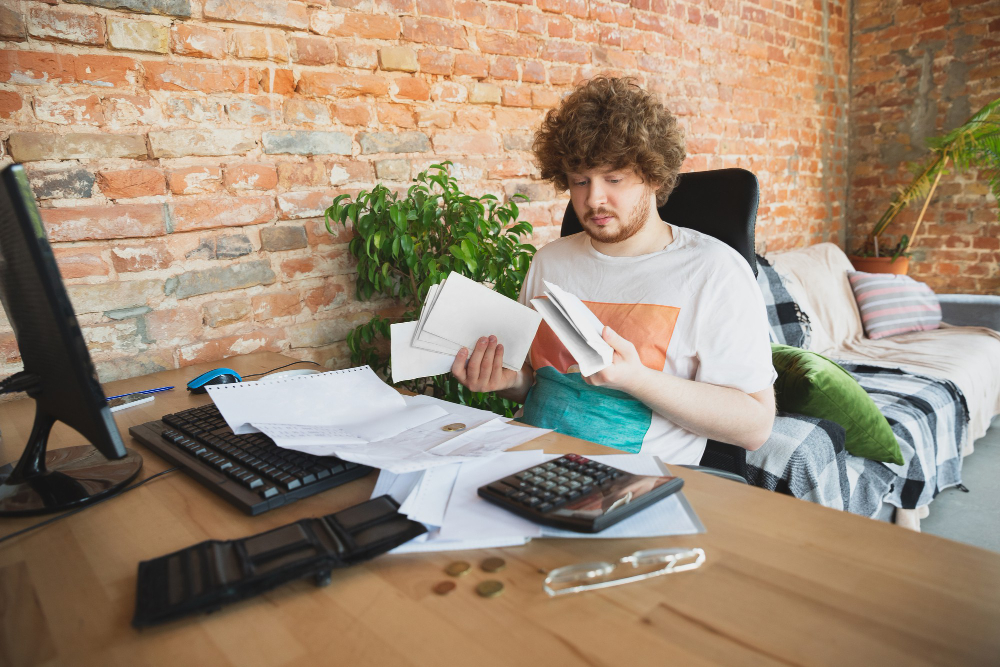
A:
[456,314]
[445,500]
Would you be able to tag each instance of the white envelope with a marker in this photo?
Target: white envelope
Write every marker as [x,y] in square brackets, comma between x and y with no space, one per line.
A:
[465,311]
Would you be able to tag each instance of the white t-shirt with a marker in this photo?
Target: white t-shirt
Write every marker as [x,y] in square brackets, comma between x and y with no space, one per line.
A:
[692,310]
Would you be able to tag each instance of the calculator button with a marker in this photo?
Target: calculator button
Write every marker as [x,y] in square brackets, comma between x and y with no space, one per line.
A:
[573,474]
[519,496]
[537,470]
[574,485]
[546,496]
[549,466]
[616,474]
[545,507]
[522,475]
[531,501]
[548,485]
[549,474]
[561,480]
[586,480]
[573,494]
[560,490]
[502,489]
[586,488]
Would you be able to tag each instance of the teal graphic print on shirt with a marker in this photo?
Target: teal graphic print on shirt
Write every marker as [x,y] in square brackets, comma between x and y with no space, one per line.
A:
[567,404]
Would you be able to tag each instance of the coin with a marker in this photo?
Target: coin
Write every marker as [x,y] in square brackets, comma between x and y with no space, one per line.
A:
[458,568]
[457,426]
[493,564]
[444,587]
[490,588]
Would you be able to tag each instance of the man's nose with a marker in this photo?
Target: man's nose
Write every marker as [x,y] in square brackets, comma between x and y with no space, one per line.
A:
[596,196]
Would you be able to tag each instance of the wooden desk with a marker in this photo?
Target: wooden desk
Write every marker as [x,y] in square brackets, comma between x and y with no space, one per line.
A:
[786,582]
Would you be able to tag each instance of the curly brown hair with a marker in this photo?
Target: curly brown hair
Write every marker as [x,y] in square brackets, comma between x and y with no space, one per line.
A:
[611,122]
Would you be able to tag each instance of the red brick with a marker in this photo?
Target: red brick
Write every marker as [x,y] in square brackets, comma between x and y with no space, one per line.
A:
[317,234]
[265,340]
[251,176]
[362,26]
[501,17]
[351,112]
[188,39]
[433,61]
[80,262]
[69,110]
[567,52]
[469,64]
[175,325]
[61,25]
[313,50]
[471,11]
[262,12]
[277,304]
[208,78]
[396,114]
[194,180]
[411,88]
[189,215]
[440,118]
[326,297]
[439,8]
[85,223]
[531,22]
[336,261]
[430,31]
[302,175]
[533,71]
[294,205]
[504,68]
[144,182]
[560,27]
[576,8]
[259,45]
[481,143]
[507,45]
[10,103]
[358,56]
[335,84]
[516,96]
[132,257]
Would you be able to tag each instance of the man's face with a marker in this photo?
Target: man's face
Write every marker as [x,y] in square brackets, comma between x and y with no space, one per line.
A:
[612,205]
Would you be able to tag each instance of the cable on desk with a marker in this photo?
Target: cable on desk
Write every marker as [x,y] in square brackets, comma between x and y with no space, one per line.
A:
[87,506]
[253,375]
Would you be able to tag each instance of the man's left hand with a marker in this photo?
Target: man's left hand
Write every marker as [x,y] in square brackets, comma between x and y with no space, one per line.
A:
[626,371]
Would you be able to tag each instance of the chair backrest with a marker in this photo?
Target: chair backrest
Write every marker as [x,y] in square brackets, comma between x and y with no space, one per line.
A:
[721,203]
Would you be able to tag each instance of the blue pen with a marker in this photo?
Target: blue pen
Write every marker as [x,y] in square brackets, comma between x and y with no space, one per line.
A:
[144,391]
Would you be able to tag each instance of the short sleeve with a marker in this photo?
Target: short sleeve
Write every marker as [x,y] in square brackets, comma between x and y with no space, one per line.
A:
[733,340]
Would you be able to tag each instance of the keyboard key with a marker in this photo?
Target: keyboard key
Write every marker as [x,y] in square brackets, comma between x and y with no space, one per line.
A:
[268,492]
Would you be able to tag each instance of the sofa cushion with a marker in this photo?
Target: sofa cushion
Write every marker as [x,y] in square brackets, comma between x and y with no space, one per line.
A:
[789,325]
[894,304]
[812,385]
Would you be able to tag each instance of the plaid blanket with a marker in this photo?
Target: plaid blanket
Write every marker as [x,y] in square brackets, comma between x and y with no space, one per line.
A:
[789,325]
[805,457]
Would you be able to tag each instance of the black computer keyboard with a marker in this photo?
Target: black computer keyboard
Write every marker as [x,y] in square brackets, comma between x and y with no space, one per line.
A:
[249,471]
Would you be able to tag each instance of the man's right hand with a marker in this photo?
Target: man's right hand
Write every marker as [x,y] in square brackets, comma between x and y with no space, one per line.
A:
[483,370]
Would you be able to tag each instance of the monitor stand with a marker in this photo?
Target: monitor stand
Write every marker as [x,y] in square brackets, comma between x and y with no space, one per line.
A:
[50,481]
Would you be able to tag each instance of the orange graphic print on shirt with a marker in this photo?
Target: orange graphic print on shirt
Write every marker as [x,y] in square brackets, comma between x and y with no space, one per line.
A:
[648,327]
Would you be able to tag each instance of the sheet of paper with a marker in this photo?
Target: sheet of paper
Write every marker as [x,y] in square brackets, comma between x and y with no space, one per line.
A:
[465,311]
[583,319]
[588,359]
[410,451]
[334,398]
[357,433]
[494,436]
[408,361]
[429,499]
[432,542]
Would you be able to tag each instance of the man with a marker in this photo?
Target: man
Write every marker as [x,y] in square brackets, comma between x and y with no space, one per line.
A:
[682,310]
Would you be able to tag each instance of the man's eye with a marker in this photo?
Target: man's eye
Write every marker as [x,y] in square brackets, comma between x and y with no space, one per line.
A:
[579,182]
[615,180]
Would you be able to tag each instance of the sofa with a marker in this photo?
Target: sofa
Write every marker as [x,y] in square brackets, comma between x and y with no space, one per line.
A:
[938,389]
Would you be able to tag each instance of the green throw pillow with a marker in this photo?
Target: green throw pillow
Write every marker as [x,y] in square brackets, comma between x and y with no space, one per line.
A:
[812,385]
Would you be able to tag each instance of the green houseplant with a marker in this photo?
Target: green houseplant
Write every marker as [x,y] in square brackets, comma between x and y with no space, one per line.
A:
[975,144]
[405,244]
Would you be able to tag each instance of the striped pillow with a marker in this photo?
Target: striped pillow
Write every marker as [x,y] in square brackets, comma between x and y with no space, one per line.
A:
[892,304]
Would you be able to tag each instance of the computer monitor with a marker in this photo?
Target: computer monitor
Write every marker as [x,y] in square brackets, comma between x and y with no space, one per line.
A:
[58,373]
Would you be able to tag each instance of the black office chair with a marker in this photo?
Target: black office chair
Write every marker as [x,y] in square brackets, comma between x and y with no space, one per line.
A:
[721,203]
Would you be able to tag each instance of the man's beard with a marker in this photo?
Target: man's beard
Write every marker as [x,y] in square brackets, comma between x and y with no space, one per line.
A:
[639,216]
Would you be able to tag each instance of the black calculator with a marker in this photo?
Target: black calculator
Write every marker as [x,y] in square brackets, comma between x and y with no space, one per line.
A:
[577,493]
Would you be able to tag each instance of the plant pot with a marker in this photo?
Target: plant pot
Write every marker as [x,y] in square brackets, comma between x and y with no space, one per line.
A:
[881,264]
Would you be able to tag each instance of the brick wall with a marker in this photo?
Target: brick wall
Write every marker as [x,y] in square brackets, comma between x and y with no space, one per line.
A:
[921,69]
[184,150]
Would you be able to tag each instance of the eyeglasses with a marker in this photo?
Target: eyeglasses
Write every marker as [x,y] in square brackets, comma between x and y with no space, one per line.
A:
[591,576]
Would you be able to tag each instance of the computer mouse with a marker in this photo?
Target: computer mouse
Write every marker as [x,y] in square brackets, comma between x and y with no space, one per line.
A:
[214,376]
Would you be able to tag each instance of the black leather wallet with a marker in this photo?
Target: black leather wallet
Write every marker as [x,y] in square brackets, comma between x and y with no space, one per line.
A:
[206,576]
